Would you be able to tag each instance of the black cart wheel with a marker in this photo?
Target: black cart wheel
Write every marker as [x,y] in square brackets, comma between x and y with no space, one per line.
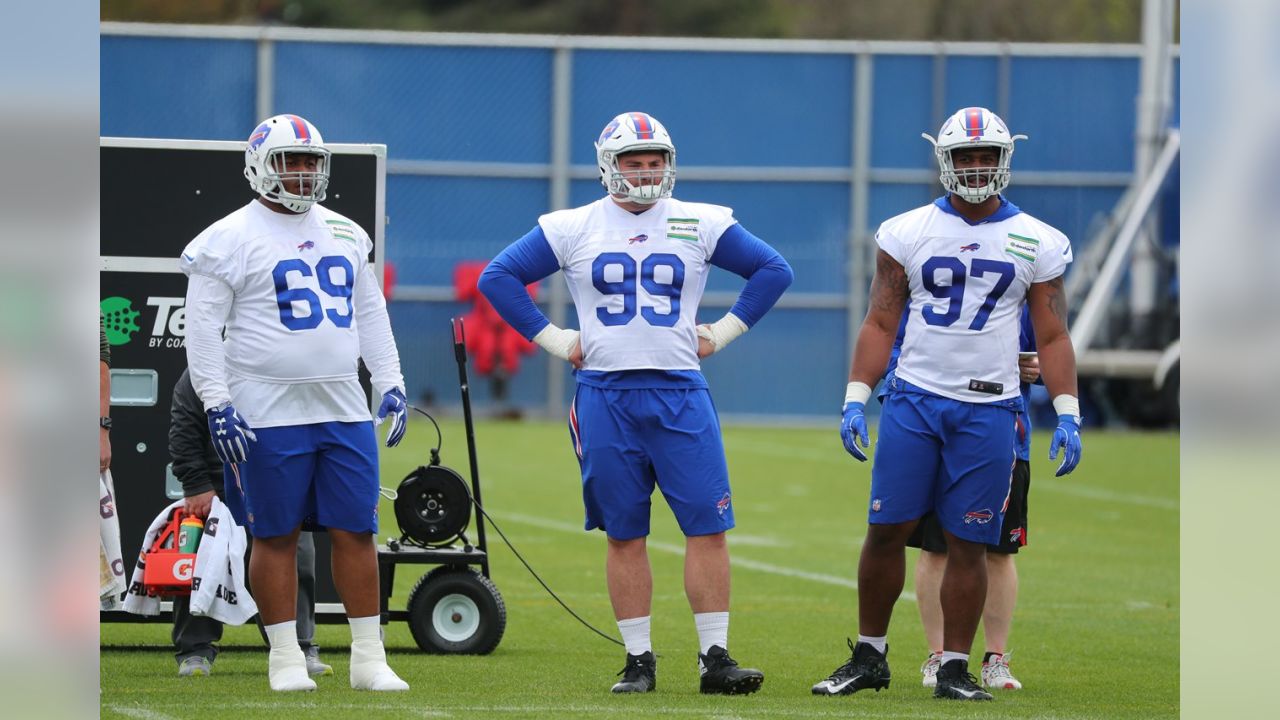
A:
[456,610]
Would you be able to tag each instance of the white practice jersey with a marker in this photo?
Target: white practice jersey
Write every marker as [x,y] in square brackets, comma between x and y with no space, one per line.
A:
[637,279]
[299,289]
[968,284]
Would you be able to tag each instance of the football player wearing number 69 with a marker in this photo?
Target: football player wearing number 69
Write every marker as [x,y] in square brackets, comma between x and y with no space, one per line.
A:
[636,262]
[962,267]
[291,282]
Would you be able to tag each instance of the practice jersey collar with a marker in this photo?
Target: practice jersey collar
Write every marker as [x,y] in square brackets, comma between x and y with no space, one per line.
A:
[1004,212]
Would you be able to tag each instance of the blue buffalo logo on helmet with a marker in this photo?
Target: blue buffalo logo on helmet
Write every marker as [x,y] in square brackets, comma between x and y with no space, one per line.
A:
[259,136]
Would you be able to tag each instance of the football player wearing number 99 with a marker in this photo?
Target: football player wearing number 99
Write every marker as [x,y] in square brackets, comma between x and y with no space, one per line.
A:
[962,267]
[636,262]
[291,283]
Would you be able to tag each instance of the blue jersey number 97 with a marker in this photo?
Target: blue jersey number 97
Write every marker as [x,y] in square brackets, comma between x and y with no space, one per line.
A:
[286,296]
[954,292]
[627,287]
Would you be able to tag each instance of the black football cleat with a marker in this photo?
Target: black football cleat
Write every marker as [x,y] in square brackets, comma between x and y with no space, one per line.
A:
[956,683]
[722,676]
[867,668]
[639,675]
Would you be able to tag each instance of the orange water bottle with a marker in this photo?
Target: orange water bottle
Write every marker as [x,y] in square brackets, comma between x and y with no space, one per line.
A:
[189,532]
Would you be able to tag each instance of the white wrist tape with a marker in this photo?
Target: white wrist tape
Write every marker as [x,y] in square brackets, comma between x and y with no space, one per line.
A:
[1067,405]
[723,331]
[857,392]
[557,341]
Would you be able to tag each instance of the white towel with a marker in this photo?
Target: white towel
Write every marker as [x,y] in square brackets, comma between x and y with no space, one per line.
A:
[110,561]
[217,586]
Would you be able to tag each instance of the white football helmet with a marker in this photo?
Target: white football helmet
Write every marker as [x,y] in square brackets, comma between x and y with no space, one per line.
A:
[264,161]
[974,127]
[634,132]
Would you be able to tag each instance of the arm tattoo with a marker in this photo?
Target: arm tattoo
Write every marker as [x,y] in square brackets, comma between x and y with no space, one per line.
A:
[1056,297]
[890,288]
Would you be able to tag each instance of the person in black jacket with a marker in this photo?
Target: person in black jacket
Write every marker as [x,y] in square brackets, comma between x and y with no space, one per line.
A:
[199,469]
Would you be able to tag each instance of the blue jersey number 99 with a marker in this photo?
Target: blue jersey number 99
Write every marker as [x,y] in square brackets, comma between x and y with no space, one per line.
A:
[627,287]
[286,296]
[954,292]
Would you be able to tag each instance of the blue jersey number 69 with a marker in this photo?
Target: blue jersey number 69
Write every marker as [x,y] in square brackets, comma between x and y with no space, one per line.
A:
[286,296]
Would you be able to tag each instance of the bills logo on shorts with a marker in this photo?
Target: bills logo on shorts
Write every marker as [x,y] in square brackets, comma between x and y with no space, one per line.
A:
[982,517]
[723,504]
[1017,535]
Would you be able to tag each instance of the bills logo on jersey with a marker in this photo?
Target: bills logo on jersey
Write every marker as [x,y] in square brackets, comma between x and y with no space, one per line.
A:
[306,245]
[971,247]
[637,239]
[982,517]
[259,136]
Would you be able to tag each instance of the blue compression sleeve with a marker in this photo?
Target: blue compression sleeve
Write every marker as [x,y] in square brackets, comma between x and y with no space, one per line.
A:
[503,281]
[767,274]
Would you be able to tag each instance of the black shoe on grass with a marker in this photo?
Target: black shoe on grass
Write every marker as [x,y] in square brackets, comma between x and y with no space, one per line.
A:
[867,668]
[722,676]
[955,683]
[640,674]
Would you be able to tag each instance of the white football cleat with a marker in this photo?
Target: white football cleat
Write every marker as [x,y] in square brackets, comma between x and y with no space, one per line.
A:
[930,670]
[995,673]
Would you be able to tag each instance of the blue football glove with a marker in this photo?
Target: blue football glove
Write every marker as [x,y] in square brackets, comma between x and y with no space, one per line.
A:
[1067,438]
[395,406]
[853,428]
[230,434]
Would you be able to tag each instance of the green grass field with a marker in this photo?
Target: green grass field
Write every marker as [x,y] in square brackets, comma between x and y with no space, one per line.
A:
[1095,634]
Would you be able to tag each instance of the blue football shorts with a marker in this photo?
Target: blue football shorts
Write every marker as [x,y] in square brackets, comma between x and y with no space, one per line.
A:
[323,475]
[954,458]
[629,441]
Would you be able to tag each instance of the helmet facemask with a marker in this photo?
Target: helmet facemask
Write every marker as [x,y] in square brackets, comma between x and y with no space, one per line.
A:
[975,184]
[636,132]
[642,185]
[310,184]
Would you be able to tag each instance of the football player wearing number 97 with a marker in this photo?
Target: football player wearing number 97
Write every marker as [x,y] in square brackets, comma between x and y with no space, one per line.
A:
[636,262]
[962,268]
[291,283]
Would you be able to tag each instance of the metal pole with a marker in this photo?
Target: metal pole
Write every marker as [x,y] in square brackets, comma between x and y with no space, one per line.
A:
[266,86]
[1154,93]
[557,310]
[859,249]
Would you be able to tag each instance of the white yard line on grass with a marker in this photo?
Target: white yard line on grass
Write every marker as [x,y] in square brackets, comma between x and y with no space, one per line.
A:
[1069,488]
[736,560]
[140,713]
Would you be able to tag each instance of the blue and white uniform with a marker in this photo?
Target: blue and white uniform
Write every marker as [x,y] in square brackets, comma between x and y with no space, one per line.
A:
[949,428]
[642,414]
[301,305]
